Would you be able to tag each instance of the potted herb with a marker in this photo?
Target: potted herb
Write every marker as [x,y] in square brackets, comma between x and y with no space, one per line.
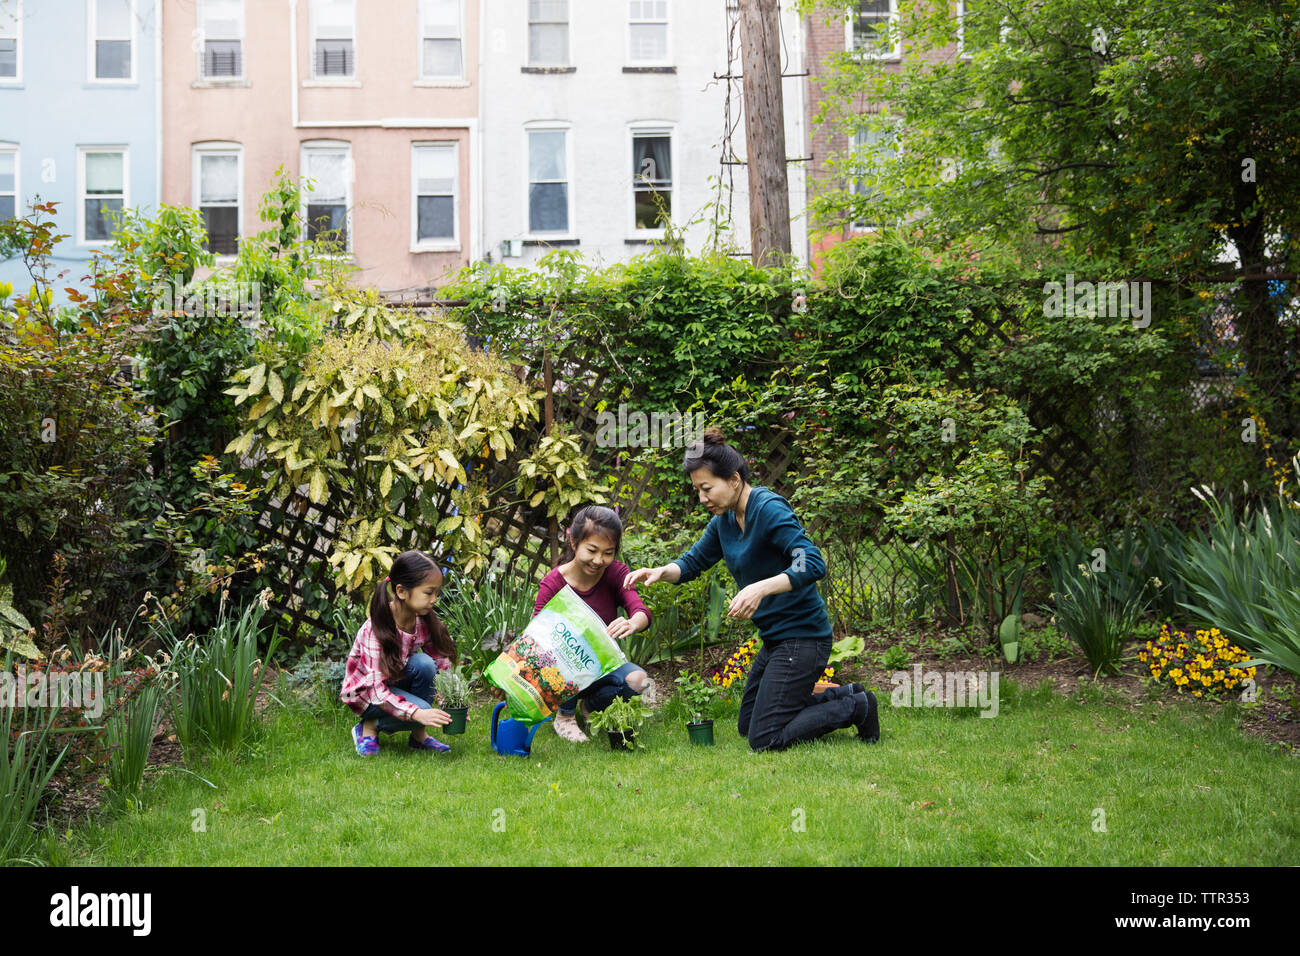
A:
[700,696]
[620,720]
[453,690]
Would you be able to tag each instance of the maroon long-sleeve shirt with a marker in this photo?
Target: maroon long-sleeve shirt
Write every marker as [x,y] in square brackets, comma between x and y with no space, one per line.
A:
[605,598]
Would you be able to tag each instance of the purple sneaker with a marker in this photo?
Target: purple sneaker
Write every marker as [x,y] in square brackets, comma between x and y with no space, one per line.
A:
[366,746]
[437,746]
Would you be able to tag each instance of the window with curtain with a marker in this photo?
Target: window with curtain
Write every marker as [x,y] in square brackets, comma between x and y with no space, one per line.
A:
[435,192]
[103,191]
[329,197]
[548,181]
[870,28]
[652,179]
[10,17]
[114,26]
[548,32]
[8,184]
[221,26]
[333,28]
[648,31]
[440,29]
[218,199]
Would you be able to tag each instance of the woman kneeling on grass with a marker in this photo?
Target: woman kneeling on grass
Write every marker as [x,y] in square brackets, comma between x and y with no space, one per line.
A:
[777,568]
[389,681]
[590,566]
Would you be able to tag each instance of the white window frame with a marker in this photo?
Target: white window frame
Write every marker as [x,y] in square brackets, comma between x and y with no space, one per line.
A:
[438,78]
[667,21]
[549,127]
[92,31]
[858,225]
[330,145]
[81,188]
[13,149]
[651,128]
[435,245]
[894,53]
[201,38]
[325,78]
[528,40]
[219,148]
[17,78]
[962,53]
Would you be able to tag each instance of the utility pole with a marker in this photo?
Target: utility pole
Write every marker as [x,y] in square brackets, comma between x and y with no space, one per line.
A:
[769,191]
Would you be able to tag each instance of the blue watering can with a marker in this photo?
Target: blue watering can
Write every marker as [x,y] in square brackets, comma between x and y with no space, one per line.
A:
[510,737]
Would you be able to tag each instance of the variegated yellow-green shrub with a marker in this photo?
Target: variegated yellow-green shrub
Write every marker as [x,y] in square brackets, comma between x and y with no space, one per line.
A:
[387,415]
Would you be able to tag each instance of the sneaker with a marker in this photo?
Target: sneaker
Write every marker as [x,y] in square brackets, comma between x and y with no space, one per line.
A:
[428,743]
[869,723]
[567,727]
[366,746]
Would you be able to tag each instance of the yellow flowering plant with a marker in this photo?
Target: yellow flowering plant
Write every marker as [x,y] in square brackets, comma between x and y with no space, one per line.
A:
[1204,664]
[737,666]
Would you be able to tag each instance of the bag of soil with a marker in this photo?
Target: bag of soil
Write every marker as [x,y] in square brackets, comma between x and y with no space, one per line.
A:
[563,650]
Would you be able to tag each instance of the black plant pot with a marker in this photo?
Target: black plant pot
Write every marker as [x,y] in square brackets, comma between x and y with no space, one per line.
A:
[621,739]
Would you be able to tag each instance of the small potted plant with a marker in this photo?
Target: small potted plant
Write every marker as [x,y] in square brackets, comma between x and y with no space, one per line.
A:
[620,720]
[453,690]
[700,696]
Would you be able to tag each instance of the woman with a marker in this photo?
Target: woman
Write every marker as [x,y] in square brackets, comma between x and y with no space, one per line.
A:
[776,567]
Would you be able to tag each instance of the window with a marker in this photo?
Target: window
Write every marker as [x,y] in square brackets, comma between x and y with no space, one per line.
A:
[963,49]
[440,54]
[652,179]
[218,180]
[329,197]
[434,166]
[647,31]
[872,148]
[11,34]
[871,28]
[221,36]
[548,181]
[112,30]
[333,24]
[8,182]
[101,180]
[548,32]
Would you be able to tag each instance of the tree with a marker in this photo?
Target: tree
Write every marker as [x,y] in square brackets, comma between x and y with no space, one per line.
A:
[1103,132]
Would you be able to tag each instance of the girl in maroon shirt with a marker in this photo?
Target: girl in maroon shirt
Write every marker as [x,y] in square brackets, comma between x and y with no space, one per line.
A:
[590,567]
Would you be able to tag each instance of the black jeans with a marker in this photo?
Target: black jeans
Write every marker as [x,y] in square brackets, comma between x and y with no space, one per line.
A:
[779,707]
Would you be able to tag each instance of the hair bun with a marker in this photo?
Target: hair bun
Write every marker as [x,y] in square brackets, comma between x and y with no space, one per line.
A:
[714,436]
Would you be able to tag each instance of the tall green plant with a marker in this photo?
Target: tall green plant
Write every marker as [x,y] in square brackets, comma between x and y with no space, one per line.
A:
[26,769]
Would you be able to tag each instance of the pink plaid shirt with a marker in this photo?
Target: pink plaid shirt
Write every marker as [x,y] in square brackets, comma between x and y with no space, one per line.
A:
[364,683]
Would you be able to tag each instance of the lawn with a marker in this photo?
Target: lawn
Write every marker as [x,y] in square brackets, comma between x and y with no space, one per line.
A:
[1178,786]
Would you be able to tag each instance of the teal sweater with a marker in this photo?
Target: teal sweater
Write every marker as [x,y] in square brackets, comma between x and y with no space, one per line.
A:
[772,543]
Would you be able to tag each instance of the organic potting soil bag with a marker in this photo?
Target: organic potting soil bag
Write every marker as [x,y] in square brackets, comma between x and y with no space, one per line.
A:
[563,650]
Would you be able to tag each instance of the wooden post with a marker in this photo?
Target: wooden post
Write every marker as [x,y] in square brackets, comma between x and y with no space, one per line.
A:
[769,192]
[548,419]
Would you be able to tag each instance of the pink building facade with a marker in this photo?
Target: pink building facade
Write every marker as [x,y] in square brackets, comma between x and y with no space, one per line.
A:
[376,101]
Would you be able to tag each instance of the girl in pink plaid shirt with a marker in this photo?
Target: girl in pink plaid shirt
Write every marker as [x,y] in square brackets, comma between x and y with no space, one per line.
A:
[390,672]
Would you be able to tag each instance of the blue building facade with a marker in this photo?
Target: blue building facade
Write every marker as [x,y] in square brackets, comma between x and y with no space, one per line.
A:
[80,92]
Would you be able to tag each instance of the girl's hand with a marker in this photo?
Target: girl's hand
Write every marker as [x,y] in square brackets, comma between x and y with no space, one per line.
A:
[744,604]
[619,628]
[432,717]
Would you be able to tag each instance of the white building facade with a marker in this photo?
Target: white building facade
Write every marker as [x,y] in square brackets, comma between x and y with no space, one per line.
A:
[602,117]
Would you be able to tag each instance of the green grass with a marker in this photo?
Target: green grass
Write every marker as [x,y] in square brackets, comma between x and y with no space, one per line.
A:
[942,788]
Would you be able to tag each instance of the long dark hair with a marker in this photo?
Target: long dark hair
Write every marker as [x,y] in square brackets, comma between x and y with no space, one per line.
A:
[410,568]
[593,519]
[715,454]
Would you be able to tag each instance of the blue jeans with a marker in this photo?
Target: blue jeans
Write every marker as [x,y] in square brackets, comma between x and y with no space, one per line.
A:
[601,693]
[779,708]
[415,685]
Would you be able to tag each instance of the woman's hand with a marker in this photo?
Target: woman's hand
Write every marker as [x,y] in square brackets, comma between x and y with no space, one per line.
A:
[667,572]
[744,604]
[432,717]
